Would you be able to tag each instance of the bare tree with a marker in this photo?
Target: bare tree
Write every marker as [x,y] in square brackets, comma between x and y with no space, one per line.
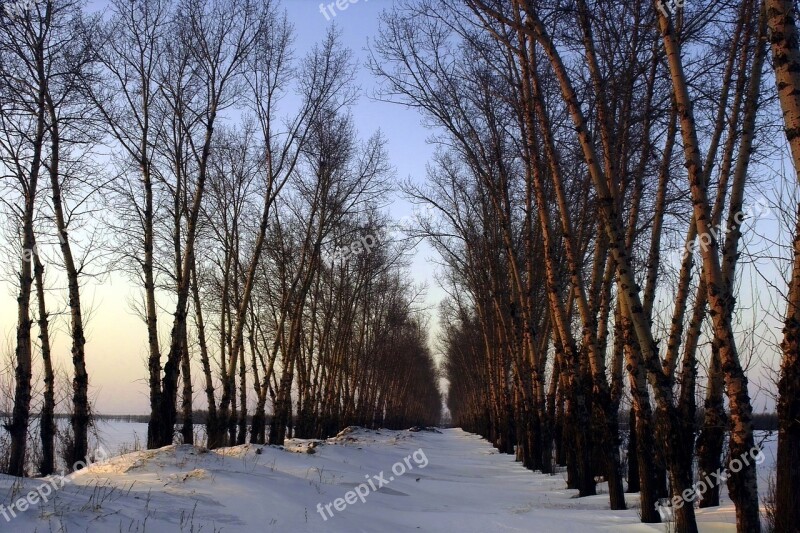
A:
[24,47]
[781,16]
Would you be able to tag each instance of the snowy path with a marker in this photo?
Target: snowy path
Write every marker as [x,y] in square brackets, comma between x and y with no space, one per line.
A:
[454,482]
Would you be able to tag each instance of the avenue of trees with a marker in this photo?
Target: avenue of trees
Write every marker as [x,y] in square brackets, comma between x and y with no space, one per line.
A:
[590,199]
[580,144]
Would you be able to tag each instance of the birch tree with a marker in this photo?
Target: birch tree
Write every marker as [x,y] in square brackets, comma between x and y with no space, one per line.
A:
[785,41]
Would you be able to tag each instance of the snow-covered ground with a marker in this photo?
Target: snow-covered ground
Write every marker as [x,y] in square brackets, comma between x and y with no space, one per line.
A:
[370,481]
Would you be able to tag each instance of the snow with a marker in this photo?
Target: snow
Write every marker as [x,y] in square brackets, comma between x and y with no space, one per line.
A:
[453,481]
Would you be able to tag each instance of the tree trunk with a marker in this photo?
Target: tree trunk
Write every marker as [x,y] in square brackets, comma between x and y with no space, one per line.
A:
[742,485]
[78,454]
[787,485]
[241,437]
[47,425]
[633,462]
[712,436]
[786,60]
[20,415]
[187,429]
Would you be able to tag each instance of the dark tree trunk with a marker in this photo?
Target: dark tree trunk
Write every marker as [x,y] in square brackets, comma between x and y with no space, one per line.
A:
[187,429]
[633,461]
[787,484]
[47,425]
[241,438]
[280,418]
[712,435]
[651,486]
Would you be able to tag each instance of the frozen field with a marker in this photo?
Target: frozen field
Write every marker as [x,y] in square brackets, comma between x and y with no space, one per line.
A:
[370,481]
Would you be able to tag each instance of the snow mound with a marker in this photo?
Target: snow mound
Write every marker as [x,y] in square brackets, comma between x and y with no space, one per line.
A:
[197,473]
[308,446]
[360,436]
[143,459]
[430,429]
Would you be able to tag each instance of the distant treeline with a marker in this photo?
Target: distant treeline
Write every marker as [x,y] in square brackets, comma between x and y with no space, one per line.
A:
[200,417]
[761,422]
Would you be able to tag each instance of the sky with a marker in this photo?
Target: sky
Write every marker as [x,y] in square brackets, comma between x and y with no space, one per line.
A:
[116,349]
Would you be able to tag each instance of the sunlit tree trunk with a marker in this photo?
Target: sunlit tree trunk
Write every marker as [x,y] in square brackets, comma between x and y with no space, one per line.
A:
[742,484]
[786,61]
